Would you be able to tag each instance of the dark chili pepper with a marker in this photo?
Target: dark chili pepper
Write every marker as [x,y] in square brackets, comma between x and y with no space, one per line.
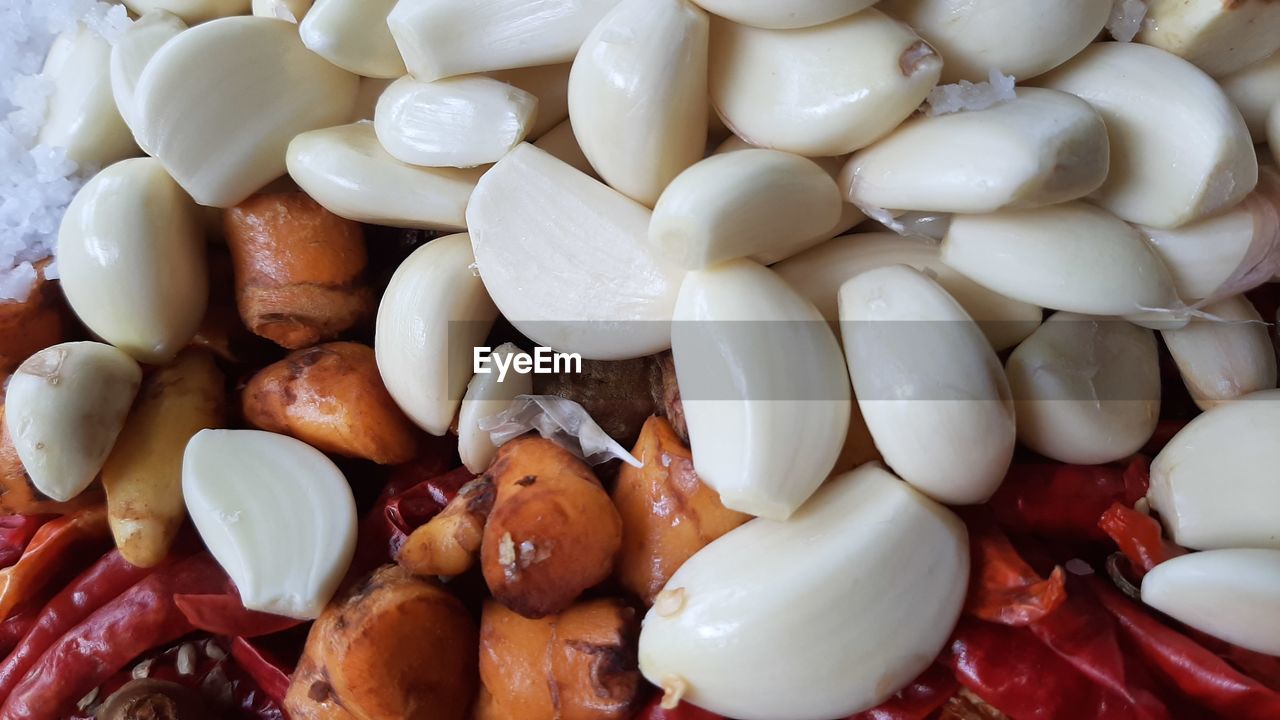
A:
[267,671]
[49,550]
[1065,501]
[15,628]
[411,498]
[225,614]
[918,700]
[683,711]
[1003,588]
[15,533]
[1139,537]
[1263,668]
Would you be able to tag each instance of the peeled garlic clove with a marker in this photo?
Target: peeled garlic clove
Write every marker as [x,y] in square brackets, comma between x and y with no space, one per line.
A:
[825,90]
[131,254]
[1219,37]
[859,591]
[81,115]
[367,94]
[766,396]
[458,122]
[562,144]
[1086,389]
[193,95]
[443,38]
[928,384]
[433,313]
[131,53]
[742,203]
[1022,38]
[1213,484]
[487,396]
[353,35]
[1152,102]
[784,14]
[641,75]
[1231,594]
[548,83]
[566,259]
[1225,357]
[1201,256]
[1043,148]
[192,11]
[291,10]
[275,513]
[1254,89]
[346,170]
[64,407]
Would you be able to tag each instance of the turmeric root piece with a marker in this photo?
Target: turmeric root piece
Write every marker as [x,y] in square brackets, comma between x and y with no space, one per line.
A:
[553,531]
[393,648]
[18,496]
[298,268]
[578,665]
[450,542]
[31,325]
[668,514]
[331,397]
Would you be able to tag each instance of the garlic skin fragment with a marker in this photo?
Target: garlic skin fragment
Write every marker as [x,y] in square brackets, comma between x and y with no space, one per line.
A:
[63,409]
[859,590]
[1086,388]
[548,83]
[347,171]
[130,55]
[783,14]
[928,384]
[1227,358]
[767,395]
[825,90]
[1254,90]
[353,35]
[1213,484]
[1043,148]
[566,259]
[433,313]
[81,114]
[275,513]
[192,11]
[1231,594]
[1152,102]
[641,75]
[458,122]
[443,38]
[1203,255]
[131,254]
[743,203]
[486,397]
[1219,37]
[193,94]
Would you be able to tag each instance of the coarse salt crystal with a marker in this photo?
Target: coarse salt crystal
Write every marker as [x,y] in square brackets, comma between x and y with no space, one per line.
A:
[1126,19]
[965,95]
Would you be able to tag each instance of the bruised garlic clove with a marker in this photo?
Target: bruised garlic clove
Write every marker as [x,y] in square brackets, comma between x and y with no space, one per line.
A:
[742,203]
[64,408]
[859,591]
[353,35]
[1042,148]
[487,394]
[766,396]
[131,53]
[1231,594]
[642,75]
[348,172]
[1254,89]
[1219,37]
[1086,388]
[1152,102]
[928,384]
[275,513]
[433,313]
[131,254]
[459,122]
[192,95]
[784,14]
[1225,357]
[567,261]
[192,11]
[443,38]
[825,90]
[562,144]
[548,83]
[291,10]
[81,115]
[1212,484]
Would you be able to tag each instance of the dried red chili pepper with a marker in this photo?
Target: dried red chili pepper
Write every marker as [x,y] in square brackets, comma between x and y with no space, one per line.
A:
[1139,537]
[683,711]
[412,497]
[267,671]
[16,532]
[47,553]
[1263,668]
[225,614]
[1065,501]
[918,700]
[1003,588]
[15,628]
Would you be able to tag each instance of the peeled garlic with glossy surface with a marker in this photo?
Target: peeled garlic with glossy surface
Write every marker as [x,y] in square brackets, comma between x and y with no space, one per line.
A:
[1219,36]
[784,14]
[1232,594]
[192,11]
[1254,89]
[131,53]
[353,35]
[486,396]
[81,115]
[548,83]
[1226,355]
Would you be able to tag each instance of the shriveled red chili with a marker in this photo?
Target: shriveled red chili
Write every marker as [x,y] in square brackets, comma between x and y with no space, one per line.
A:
[918,700]
[267,671]
[16,532]
[225,614]
[1065,501]
[49,550]
[1003,588]
[1139,537]
[683,711]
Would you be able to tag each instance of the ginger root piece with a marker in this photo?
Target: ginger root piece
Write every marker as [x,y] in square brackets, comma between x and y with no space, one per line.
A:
[450,542]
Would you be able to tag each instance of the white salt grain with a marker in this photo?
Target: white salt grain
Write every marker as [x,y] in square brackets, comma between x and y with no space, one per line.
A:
[1126,19]
[965,95]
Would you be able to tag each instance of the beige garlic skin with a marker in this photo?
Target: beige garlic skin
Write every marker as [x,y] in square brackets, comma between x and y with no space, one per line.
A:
[81,115]
[63,409]
[784,14]
[130,54]
[353,35]
[1216,35]
[1254,89]
[1201,256]
[1225,358]
[820,91]
[192,11]
[548,83]
[1232,594]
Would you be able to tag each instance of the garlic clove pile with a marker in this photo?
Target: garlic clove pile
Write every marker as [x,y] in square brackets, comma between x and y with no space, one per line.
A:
[353,35]
[1231,594]
[81,115]
[1226,357]
[130,55]
[486,396]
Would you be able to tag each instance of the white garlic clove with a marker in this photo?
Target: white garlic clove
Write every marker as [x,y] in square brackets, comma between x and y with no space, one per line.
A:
[637,94]
[291,10]
[443,38]
[858,591]
[825,90]
[486,396]
[434,312]
[1022,38]
[63,409]
[1152,102]
[131,255]
[784,14]
[766,395]
[1086,388]
[275,513]
[81,115]
[1231,594]
[459,122]
[819,272]
[562,144]
[928,384]
[198,96]
[367,94]
[1254,89]
[348,172]
[1219,37]
[548,83]
[1203,255]
[566,259]
[130,55]
[1042,148]
[739,204]
[353,35]
[192,11]
[1225,357]
[1213,483]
